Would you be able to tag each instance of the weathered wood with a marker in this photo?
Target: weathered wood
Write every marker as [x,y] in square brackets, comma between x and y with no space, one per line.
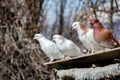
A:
[107,72]
[85,59]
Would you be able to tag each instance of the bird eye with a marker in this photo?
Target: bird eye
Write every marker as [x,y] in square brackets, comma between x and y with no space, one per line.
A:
[53,37]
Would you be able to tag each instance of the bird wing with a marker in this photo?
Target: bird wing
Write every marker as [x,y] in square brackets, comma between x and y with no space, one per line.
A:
[107,34]
[73,47]
[90,36]
[52,51]
[107,44]
[109,40]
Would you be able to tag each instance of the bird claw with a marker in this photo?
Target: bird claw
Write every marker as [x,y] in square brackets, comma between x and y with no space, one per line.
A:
[67,57]
[94,66]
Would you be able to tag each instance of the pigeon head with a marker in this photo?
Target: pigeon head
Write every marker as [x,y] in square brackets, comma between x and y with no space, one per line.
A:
[58,38]
[37,36]
[93,21]
[75,25]
[82,26]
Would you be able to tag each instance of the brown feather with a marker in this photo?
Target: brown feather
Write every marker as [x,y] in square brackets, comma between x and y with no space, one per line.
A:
[84,28]
[102,34]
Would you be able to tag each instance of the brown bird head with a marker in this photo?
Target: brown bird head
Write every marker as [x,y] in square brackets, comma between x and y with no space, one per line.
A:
[93,21]
[96,24]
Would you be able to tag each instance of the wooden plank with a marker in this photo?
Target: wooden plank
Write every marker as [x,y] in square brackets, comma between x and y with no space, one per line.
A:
[88,58]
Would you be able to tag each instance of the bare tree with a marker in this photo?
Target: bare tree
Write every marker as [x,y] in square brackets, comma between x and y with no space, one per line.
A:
[62,6]
[20,57]
[111,14]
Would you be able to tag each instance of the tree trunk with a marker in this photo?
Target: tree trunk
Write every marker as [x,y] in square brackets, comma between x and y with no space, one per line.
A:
[62,6]
[111,15]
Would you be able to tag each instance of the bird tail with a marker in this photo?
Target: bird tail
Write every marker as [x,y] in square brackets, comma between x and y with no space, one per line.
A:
[116,43]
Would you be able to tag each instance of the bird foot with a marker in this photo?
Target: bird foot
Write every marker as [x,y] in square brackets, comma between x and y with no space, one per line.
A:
[67,57]
[100,51]
[106,49]
[103,50]
[94,66]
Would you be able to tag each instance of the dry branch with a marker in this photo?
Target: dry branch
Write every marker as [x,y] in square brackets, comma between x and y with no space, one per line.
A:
[106,72]
[20,57]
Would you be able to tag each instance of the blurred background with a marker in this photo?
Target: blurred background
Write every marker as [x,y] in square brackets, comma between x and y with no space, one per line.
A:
[20,57]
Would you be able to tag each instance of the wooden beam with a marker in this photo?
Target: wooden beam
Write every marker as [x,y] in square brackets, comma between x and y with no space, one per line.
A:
[85,59]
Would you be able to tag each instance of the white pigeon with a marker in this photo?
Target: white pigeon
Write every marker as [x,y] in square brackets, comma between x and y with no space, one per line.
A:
[49,47]
[86,36]
[67,47]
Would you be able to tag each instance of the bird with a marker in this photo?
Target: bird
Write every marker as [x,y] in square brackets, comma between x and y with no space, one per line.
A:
[48,47]
[103,35]
[86,36]
[66,46]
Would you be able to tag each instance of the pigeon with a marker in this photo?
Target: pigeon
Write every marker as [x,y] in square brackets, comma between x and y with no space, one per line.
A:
[103,35]
[86,36]
[66,46]
[49,48]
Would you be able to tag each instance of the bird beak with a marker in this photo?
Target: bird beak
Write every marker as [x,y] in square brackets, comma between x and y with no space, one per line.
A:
[73,28]
[53,40]
[90,22]
[91,26]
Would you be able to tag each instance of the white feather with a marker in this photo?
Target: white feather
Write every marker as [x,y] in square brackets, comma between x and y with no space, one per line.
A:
[87,40]
[49,47]
[67,47]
